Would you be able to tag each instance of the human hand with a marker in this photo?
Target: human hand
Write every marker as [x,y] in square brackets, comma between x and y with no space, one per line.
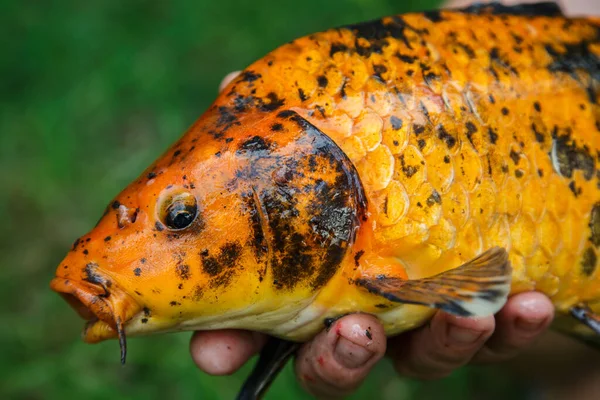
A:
[336,361]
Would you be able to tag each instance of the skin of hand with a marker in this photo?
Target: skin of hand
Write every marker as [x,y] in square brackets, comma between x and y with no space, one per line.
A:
[335,362]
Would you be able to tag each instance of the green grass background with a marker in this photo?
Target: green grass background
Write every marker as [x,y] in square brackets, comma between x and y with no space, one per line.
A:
[91,92]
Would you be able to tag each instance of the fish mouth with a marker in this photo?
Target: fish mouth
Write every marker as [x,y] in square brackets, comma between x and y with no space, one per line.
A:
[105,310]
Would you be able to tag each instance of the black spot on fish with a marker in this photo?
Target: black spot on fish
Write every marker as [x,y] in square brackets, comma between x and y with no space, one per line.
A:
[548,9]
[537,106]
[276,127]
[106,239]
[467,49]
[286,114]
[539,137]
[322,81]
[255,143]
[471,129]
[570,157]
[504,111]
[433,16]
[273,104]
[408,170]
[434,198]
[158,226]
[230,253]
[430,77]
[376,34]
[396,122]
[407,59]
[226,259]
[418,129]
[137,271]
[357,257]
[227,117]
[576,191]
[493,135]
[183,271]
[588,261]
[302,95]
[379,70]
[446,137]
[447,159]
[595,225]
[249,76]
[337,48]
[115,205]
[198,292]
[211,266]
[515,157]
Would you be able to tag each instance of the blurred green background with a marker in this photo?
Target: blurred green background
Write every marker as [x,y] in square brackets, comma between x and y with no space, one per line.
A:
[91,93]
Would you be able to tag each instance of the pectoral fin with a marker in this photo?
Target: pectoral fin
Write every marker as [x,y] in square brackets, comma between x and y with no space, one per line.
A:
[479,287]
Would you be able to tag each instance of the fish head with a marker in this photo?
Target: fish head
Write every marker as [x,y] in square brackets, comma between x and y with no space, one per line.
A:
[246,220]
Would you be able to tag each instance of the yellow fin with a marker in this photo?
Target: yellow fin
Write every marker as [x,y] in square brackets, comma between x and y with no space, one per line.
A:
[477,288]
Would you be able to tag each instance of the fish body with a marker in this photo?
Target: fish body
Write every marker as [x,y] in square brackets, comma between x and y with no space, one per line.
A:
[344,169]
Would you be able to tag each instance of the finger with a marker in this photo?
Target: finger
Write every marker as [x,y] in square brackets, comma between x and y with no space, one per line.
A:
[337,360]
[435,350]
[223,352]
[227,80]
[522,320]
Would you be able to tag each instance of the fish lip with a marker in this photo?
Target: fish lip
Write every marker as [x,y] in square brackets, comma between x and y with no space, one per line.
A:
[90,301]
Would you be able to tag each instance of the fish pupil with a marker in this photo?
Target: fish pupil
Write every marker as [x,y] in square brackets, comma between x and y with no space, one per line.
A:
[181,215]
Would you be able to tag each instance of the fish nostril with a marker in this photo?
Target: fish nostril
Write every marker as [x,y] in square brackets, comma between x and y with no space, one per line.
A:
[126,215]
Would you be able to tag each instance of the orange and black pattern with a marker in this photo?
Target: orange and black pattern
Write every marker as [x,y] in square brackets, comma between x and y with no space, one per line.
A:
[401,147]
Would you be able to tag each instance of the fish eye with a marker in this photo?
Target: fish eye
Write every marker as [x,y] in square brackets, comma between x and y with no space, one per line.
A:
[178,210]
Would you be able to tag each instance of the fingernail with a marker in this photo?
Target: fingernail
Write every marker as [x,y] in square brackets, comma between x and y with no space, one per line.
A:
[530,325]
[462,335]
[351,355]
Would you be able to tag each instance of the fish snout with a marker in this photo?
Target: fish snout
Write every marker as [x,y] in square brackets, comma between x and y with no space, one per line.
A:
[100,301]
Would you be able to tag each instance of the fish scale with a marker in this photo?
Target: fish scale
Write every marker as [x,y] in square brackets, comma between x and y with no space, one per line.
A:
[479,105]
[421,162]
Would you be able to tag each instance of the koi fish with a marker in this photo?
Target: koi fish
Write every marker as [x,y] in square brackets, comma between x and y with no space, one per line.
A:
[428,161]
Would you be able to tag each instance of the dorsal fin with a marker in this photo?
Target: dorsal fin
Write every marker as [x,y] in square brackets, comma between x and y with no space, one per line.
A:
[546,8]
